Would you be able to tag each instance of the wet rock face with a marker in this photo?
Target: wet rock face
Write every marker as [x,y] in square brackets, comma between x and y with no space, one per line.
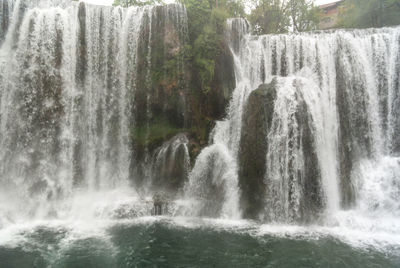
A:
[355,140]
[163,99]
[253,148]
[293,177]
[4,19]
[6,13]
[311,203]
[161,84]
[170,165]
[237,28]
[279,171]
[394,118]
[81,46]
[161,201]
[223,84]
[213,193]
[41,107]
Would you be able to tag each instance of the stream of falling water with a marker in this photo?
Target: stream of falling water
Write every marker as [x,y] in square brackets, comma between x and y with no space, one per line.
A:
[349,81]
[68,77]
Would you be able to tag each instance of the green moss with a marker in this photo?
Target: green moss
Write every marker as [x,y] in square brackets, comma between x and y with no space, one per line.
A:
[156,132]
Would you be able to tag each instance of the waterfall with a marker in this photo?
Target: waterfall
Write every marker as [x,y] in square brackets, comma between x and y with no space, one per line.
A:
[170,165]
[212,189]
[310,133]
[334,122]
[70,97]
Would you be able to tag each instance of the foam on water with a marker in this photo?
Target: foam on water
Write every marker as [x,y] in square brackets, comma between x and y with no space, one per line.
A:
[21,235]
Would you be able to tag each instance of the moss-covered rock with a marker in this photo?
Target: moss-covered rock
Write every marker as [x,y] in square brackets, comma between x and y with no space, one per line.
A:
[204,108]
[168,97]
[153,135]
[161,84]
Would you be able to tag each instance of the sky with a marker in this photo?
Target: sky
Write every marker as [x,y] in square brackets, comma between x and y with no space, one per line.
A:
[109,2]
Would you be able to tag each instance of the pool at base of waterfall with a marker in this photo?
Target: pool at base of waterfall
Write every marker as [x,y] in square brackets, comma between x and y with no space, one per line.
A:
[188,242]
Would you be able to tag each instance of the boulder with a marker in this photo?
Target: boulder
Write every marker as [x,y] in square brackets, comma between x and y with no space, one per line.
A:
[289,187]
[257,119]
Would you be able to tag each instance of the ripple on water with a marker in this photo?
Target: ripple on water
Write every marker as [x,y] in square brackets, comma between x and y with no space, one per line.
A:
[189,242]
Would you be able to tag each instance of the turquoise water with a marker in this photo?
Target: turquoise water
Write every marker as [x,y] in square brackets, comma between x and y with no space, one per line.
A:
[166,243]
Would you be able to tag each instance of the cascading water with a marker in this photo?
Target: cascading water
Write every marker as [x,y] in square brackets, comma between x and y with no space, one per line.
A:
[212,189]
[293,186]
[170,165]
[6,9]
[310,137]
[332,136]
[69,80]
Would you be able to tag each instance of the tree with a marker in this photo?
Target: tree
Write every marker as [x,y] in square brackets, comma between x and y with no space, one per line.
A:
[303,14]
[281,16]
[369,13]
[234,8]
[128,3]
[206,35]
[269,16]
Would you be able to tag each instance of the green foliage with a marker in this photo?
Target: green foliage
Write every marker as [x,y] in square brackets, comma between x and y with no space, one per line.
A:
[199,12]
[304,15]
[156,132]
[279,16]
[269,16]
[207,47]
[206,35]
[163,67]
[128,3]
[369,13]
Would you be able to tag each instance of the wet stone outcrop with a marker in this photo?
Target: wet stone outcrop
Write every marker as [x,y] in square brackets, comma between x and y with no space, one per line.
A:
[394,117]
[4,19]
[161,201]
[355,139]
[223,84]
[170,165]
[236,31]
[257,121]
[293,178]
[279,170]
[161,79]
[160,109]
[312,200]
[6,14]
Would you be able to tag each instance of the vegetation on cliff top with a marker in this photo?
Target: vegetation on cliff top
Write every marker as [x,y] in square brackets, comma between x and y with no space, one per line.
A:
[207,21]
[206,38]
[278,16]
[281,16]
[369,13]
